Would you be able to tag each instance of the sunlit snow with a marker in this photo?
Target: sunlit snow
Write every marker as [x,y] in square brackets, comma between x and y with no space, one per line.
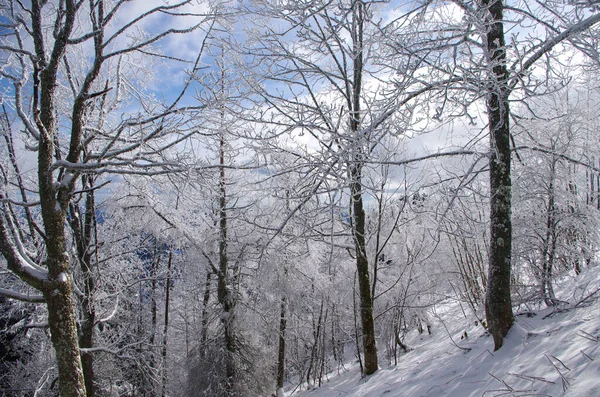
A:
[547,353]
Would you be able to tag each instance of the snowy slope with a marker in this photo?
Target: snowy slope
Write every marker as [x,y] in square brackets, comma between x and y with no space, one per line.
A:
[545,354]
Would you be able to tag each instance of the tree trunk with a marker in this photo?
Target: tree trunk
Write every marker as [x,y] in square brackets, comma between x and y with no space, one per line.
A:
[223,290]
[206,299]
[281,349]
[498,304]
[53,202]
[313,352]
[362,268]
[549,243]
[150,386]
[358,213]
[83,238]
[166,327]
[63,330]
[322,369]
[356,333]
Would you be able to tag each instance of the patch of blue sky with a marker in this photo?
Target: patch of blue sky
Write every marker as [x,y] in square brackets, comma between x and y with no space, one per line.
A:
[170,59]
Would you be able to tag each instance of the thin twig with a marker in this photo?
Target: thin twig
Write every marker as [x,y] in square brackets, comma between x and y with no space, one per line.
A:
[588,336]
[586,356]
[532,378]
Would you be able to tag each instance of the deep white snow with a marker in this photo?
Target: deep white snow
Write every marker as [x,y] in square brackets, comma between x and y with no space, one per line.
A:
[547,353]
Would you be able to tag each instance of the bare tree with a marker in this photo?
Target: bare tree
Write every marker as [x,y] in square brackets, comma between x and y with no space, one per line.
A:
[502,82]
[331,95]
[43,37]
[555,210]
[481,65]
[498,304]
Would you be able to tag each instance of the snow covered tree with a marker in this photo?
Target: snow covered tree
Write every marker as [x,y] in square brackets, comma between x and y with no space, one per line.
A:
[466,42]
[39,43]
[328,60]
[556,208]
[330,95]
[501,82]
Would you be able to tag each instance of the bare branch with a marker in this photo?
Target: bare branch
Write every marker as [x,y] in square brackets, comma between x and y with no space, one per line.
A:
[21,296]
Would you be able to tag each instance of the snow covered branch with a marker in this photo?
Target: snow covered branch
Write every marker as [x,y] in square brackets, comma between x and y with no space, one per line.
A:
[8,293]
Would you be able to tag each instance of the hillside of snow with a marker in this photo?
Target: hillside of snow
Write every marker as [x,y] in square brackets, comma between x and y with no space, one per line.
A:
[550,352]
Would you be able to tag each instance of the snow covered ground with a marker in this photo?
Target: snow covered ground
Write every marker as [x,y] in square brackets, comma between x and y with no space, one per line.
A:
[547,353]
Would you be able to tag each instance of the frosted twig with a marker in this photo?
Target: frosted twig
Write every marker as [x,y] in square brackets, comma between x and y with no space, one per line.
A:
[43,324]
[43,380]
[563,364]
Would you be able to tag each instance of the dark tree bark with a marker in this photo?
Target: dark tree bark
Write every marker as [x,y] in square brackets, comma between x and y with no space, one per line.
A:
[166,323]
[63,330]
[356,329]
[313,352]
[53,201]
[205,300]
[498,305]
[223,290]
[356,194]
[362,268]
[549,242]
[50,26]
[150,386]
[281,348]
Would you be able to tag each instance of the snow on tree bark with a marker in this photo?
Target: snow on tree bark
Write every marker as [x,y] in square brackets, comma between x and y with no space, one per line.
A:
[63,330]
[53,202]
[498,305]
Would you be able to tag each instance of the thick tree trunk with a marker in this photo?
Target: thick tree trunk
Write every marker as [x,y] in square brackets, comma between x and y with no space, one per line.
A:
[53,202]
[281,349]
[549,243]
[166,324]
[362,268]
[498,304]
[223,290]
[356,193]
[356,330]
[63,330]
